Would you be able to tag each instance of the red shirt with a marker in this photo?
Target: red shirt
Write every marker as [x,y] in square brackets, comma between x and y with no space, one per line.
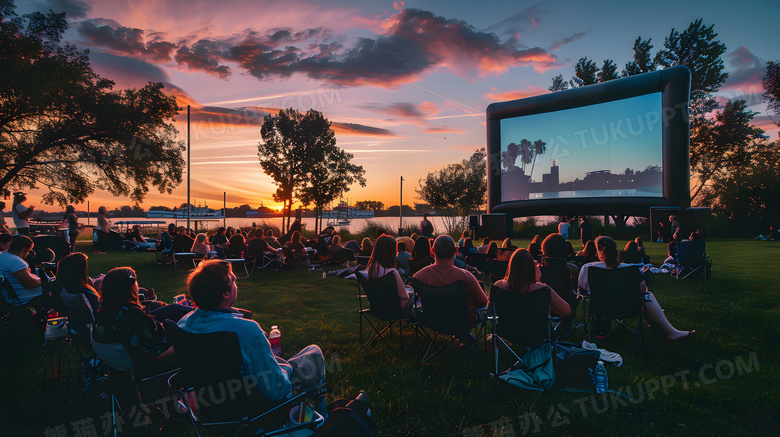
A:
[442,275]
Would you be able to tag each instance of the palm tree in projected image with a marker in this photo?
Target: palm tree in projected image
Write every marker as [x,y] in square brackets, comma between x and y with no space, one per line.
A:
[526,152]
[539,148]
[509,157]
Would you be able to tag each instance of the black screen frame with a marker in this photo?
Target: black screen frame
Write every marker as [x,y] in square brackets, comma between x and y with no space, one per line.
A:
[673,83]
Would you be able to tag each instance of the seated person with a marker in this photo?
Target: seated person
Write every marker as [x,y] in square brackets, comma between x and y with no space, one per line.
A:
[323,242]
[523,276]
[535,247]
[219,239]
[589,252]
[672,249]
[296,226]
[463,236]
[492,251]
[631,253]
[608,254]
[443,273]
[507,244]
[403,257]
[271,240]
[421,255]
[337,252]
[136,237]
[212,286]
[5,241]
[485,245]
[182,243]
[72,283]
[257,245]
[408,241]
[237,245]
[366,247]
[641,248]
[383,261]
[200,246]
[26,285]
[296,244]
[554,246]
[123,319]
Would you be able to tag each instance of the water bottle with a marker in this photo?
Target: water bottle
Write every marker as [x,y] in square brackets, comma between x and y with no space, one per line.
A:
[600,378]
[275,338]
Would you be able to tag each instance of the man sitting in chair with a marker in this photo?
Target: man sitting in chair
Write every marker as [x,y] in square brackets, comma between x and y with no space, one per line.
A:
[212,286]
[14,268]
[443,273]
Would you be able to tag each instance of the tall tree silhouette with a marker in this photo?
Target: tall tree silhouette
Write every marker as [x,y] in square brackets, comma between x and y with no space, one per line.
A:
[539,148]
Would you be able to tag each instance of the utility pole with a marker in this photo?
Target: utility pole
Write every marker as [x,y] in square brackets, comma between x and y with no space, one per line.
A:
[401,209]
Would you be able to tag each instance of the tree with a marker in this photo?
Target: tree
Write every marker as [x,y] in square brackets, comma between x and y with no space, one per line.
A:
[643,62]
[585,72]
[62,126]
[728,151]
[698,49]
[539,148]
[457,190]
[369,205]
[299,153]
[330,176]
[608,71]
[558,84]
[771,84]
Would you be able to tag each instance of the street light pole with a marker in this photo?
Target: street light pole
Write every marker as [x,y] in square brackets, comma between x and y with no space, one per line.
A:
[401,209]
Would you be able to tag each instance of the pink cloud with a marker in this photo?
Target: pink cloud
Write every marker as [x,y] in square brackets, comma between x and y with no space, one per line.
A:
[515,94]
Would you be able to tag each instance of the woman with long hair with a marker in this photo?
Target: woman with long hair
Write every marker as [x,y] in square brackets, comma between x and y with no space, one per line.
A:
[608,254]
[421,255]
[383,261]
[631,253]
[123,319]
[72,282]
[366,247]
[523,276]
[589,252]
[201,245]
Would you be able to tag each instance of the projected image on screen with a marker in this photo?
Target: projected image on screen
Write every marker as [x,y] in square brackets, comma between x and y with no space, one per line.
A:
[612,149]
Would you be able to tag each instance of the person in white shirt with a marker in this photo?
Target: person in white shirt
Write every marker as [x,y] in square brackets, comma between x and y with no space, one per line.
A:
[21,213]
[26,285]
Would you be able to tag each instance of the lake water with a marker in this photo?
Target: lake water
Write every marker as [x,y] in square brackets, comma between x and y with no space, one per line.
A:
[356,226]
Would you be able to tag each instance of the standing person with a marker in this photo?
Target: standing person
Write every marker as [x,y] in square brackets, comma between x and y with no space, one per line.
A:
[674,226]
[563,227]
[21,213]
[103,228]
[426,227]
[3,227]
[586,230]
[73,226]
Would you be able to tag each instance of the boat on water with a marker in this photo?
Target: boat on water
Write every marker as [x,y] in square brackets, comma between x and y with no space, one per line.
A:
[343,211]
[197,212]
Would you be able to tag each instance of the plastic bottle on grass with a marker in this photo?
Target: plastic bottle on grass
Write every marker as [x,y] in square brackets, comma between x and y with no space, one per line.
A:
[600,378]
[275,338]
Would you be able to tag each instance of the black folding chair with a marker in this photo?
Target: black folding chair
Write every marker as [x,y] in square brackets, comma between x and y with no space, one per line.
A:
[555,273]
[522,319]
[384,306]
[444,311]
[693,260]
[124,387]
[216,396]
[615,295]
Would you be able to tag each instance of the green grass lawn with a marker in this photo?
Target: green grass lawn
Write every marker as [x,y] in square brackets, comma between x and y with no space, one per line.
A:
[724,382]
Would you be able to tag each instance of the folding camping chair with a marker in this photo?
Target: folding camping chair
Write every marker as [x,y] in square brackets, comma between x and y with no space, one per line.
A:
[212,362]
[522,319]
[692,259]
[555,273]
[615,295]
[384,306]
[444,311]
[124,388]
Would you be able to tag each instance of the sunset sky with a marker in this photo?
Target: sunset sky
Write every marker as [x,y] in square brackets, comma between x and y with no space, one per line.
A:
[405,84]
